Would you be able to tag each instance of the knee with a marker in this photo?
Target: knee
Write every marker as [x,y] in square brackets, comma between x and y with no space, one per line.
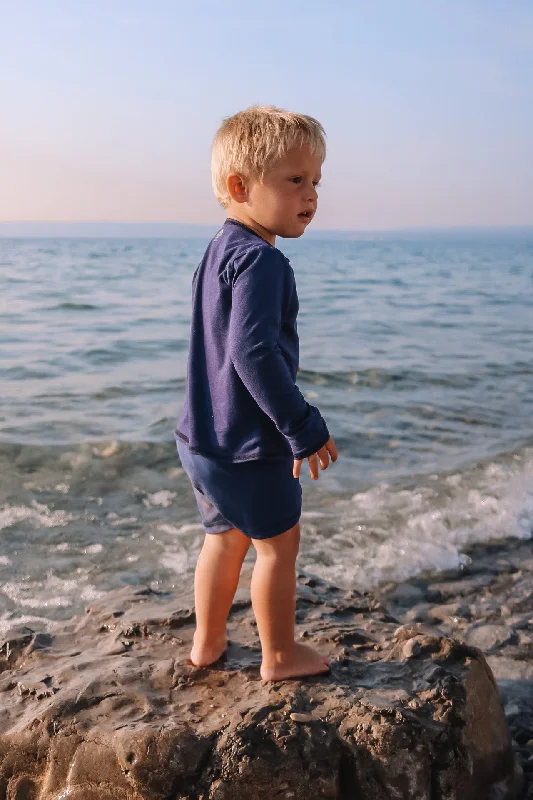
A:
[284,547]
[229,542]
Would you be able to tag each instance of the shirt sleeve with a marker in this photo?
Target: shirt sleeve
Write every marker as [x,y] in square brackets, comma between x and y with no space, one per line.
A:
[259,285]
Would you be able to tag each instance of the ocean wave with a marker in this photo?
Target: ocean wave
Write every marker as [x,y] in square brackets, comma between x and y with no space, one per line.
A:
[391,532]
[100,515]
[412,379]
[73,307]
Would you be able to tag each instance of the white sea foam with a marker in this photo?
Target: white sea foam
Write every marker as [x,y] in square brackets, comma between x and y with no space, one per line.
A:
[388,533]
[162,498]
[93,548]
[7,621]
[189,527]
[117,523]
[52,592]
[37,514]
[177,560]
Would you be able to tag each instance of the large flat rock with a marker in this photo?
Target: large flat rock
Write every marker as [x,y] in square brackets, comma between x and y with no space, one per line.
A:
[106,707]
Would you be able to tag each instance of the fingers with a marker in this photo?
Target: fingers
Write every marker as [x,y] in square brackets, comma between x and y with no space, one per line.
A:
[329,450]
[332,449]
[313,466]
[323,457]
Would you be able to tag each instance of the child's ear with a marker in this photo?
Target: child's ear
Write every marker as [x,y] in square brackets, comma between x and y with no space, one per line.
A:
[237,188]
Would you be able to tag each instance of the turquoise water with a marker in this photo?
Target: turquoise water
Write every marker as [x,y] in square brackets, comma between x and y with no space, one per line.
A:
[418,351]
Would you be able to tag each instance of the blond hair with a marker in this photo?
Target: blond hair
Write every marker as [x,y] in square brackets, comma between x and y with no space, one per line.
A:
[250,142]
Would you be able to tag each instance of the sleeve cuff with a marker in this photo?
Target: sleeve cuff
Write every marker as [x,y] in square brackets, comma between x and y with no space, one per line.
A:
[311,437]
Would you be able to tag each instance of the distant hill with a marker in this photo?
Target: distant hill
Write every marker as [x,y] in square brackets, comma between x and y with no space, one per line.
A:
[105,230]
[177,230]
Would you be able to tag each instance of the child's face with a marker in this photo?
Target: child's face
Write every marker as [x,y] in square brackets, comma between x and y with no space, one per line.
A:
[285,201]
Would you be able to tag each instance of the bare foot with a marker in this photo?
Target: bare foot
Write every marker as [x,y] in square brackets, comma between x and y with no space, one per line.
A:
[207,653]
[302,660]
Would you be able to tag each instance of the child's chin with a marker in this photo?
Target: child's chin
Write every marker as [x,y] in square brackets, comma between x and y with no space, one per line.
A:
[294,233]
[291,235]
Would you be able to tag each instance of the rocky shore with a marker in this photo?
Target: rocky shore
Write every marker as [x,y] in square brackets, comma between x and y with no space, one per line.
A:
[106,706]
[489,605]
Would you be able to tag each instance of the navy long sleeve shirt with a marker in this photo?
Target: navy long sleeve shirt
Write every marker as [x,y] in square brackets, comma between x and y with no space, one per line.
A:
[242,402]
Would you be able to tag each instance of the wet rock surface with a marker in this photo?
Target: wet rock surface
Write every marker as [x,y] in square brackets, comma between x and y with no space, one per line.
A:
[488,604]
[107,707]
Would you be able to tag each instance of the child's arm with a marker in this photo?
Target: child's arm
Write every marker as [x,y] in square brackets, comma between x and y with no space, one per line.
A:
[258,293]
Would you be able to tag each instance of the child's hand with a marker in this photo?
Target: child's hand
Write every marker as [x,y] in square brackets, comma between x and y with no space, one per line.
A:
[323,455]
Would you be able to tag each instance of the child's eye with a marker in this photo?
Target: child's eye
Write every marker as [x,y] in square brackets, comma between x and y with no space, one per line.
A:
[296,179]
[316,184]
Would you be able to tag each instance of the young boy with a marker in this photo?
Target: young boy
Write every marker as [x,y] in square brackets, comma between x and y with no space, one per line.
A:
[246,428]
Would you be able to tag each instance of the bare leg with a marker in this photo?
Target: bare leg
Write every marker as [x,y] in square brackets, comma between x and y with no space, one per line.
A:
[274,602]
[215,582]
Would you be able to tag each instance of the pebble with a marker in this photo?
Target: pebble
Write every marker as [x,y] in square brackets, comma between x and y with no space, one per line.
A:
[487,637]
[110,450]
[405,594]
[296,717]
[449,611]
[417,613]
[512,710]
[411,648]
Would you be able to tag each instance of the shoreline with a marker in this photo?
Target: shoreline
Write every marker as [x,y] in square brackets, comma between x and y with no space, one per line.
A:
[107,705]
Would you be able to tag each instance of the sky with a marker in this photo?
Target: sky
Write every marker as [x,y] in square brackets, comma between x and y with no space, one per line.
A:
[108,108]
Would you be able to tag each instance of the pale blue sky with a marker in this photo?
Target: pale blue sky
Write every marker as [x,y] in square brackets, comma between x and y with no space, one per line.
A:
[108,108]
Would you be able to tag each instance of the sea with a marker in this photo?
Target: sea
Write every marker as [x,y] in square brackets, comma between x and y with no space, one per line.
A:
[417,347]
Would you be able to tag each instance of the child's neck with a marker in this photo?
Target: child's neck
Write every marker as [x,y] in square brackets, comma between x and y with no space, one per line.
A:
[234,211]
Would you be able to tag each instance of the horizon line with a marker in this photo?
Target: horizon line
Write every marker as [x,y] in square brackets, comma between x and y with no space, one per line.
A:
[167,224]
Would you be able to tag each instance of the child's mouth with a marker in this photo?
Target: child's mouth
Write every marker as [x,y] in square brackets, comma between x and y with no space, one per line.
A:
[305,215]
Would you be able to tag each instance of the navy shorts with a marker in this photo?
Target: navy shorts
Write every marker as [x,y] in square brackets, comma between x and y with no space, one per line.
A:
[260,498]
